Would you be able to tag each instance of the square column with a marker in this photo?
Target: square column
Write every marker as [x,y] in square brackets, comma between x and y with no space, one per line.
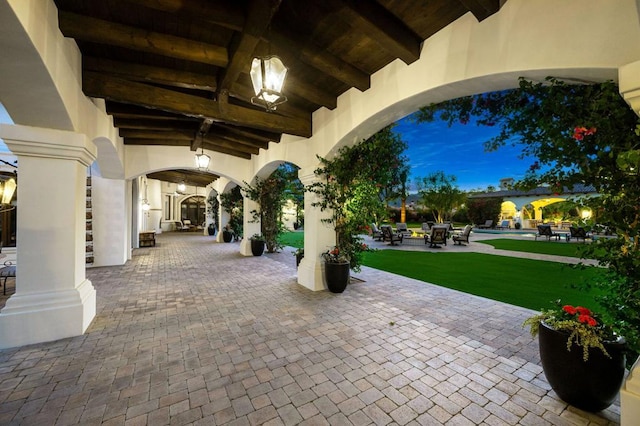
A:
[318,237]
[249,226]
[53,298]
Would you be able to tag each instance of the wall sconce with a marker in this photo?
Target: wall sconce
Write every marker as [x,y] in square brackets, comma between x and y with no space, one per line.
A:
[267,76]
[182,187]
[145,202]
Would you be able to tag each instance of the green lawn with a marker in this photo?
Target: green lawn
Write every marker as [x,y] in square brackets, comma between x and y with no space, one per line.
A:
[524,282]
[292,239]
[558,248]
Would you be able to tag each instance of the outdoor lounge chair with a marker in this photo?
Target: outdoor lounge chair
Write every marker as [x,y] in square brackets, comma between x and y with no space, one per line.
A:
[545,231]
[376,233]
[505,224]
[438,236]
[578,233]
[401,228]
[487,224]
[389,235]
[462,237]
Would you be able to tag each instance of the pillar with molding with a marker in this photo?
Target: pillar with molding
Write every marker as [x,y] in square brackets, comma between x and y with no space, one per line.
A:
[249,226]
[53,298]
[318,237]
[629,84]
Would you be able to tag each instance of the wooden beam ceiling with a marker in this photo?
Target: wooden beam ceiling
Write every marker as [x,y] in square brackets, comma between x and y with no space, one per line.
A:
[176,72]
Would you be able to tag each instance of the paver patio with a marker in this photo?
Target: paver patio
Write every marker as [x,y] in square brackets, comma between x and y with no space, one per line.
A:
[190,332]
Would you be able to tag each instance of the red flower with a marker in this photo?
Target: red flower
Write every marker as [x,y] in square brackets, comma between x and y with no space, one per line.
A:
[580,132]
[586,319]
[335,251]
[583,311]
[569,309]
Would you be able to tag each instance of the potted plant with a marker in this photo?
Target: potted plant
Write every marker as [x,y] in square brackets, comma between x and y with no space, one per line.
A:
[582,358]
[299,254]
[227,233]
[337,267]
[257,244]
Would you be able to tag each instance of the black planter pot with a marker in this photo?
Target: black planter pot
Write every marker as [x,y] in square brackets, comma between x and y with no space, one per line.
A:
[211,230]
[592,385]
[336,276]
[299,257]
[257,247]
[227,236]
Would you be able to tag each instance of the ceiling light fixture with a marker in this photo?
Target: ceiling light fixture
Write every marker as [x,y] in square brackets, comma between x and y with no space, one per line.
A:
[202,160]
[267,76]
[182,187]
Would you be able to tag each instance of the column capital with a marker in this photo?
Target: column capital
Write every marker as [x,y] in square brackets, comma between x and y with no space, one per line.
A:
[48,143]
[629,83]
[307,175]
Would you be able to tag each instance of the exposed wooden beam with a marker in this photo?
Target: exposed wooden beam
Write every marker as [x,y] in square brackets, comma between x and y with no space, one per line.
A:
[251,134]
[481,9]
[228,151]
[387,30]
[121,90]
[258,20]
[120,110]
[226,14]
[149,134]
[137,72]
[147,124]
[86,28]
[235,138]
[210,141]
[320,59]
[157,142]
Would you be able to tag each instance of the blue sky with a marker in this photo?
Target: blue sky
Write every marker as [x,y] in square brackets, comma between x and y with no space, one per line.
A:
[459,151]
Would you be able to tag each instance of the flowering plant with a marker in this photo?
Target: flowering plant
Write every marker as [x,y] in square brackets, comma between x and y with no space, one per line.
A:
[583,326]
[334,256]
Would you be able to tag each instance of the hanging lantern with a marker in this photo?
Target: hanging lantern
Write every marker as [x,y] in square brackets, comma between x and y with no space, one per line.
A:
[267,75]
[7,188]
[202,160]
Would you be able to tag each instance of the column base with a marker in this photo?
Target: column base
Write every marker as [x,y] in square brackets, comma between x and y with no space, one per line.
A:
[630,397]
[43,317]
[311,274]
[245,247]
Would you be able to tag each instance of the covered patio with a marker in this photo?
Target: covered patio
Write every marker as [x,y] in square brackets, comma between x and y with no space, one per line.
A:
[192,332]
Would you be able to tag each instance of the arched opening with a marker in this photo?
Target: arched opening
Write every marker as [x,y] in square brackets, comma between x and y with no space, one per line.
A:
[194,209]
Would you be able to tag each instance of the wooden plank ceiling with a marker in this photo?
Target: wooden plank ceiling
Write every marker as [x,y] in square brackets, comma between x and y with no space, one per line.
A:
[176,72]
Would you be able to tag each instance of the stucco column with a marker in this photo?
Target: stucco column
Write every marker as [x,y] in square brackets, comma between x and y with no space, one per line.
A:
[629,82]
[53,298]
[223,219]
[154,194]
[318,237]
[249,227]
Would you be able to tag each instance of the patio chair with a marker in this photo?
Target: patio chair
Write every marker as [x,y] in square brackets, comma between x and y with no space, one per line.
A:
[376,233]
[462,237]
[426,226]
[389,235]
[505,224]
[438,236]
[545,231]
[185,225]
[401,228]
[487,224]
[578,233]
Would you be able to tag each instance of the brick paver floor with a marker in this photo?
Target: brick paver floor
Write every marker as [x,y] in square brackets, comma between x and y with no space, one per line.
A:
[191,332]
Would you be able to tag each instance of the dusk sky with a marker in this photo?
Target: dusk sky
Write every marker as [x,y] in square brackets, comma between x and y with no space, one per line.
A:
[459,151]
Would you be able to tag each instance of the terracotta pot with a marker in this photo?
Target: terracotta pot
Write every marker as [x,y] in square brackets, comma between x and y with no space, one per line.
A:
[336,276]
[592,385]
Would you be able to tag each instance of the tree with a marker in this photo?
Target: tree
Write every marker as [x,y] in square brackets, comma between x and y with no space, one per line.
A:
[269,194]
[580,134]
[232,202]
[352,187]
[439,192]
[482,209]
